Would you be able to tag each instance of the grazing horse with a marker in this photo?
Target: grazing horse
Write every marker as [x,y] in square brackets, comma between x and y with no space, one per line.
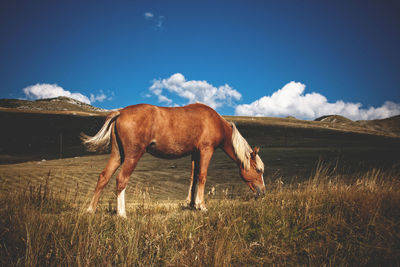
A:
[166,132]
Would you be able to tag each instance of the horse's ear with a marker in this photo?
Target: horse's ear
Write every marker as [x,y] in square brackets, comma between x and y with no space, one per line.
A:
[255,152]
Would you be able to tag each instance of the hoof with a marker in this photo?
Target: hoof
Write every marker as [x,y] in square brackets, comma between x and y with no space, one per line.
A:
[90,210]
[122,216]
[201,207]
[190,205]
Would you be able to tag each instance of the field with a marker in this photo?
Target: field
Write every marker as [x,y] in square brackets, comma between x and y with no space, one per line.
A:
[333,198]
[328,219]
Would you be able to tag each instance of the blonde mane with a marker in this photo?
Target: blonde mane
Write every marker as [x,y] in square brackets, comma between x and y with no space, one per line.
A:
[243,150]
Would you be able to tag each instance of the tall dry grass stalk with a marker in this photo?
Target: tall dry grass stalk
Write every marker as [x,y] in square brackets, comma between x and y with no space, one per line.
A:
[327,220]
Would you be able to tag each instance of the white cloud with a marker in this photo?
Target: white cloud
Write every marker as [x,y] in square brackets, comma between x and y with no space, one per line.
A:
[148,15]
[100,97]
[45,90]
[157,21]
[291,101]
[165,99]
[194,91]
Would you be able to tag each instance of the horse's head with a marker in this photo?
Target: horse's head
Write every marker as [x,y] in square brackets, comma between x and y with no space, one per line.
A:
[253,175]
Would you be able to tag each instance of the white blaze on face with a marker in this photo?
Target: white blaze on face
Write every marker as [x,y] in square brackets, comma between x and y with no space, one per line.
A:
[121,204]
[262,177]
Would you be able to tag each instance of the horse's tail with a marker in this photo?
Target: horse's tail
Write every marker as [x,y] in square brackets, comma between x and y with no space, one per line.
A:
[101,141]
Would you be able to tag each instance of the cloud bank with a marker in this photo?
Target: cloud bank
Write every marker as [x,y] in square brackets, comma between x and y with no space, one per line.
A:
[45,90]
[290,100]
[194,91]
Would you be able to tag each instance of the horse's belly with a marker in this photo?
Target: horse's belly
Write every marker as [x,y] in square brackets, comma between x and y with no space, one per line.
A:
[169,151]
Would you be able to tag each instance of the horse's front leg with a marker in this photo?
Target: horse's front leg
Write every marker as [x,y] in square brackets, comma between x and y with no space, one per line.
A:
[204,161]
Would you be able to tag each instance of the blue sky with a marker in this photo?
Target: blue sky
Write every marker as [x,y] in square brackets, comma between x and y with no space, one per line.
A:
[258,58]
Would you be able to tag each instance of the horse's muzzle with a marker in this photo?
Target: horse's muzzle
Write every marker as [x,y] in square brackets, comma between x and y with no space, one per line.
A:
[260,191]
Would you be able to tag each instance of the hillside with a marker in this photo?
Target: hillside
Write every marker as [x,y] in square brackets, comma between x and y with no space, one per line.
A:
[58,104]
[390,125]
[387,127]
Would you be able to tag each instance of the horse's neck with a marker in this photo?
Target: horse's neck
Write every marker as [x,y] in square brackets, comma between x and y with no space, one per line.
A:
[228,146]
[229,150]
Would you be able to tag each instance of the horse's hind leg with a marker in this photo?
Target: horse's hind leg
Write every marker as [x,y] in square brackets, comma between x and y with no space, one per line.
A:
[127,168]
[112,165]
[193,183]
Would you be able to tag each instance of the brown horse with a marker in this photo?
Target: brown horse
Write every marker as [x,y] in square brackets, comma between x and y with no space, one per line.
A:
[195,130]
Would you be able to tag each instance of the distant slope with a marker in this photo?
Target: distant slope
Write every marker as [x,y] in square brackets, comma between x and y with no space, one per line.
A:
[387,127]
[391,126]
[58,104]
[37,135]
[334,119]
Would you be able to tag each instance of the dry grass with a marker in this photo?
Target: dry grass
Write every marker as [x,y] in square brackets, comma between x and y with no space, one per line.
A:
[326,220]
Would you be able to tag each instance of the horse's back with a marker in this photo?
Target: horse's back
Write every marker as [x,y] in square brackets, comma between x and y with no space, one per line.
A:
[194,119]
[188,116]
[172,130]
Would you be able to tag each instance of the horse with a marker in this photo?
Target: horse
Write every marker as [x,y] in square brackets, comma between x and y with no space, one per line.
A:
[171,132]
